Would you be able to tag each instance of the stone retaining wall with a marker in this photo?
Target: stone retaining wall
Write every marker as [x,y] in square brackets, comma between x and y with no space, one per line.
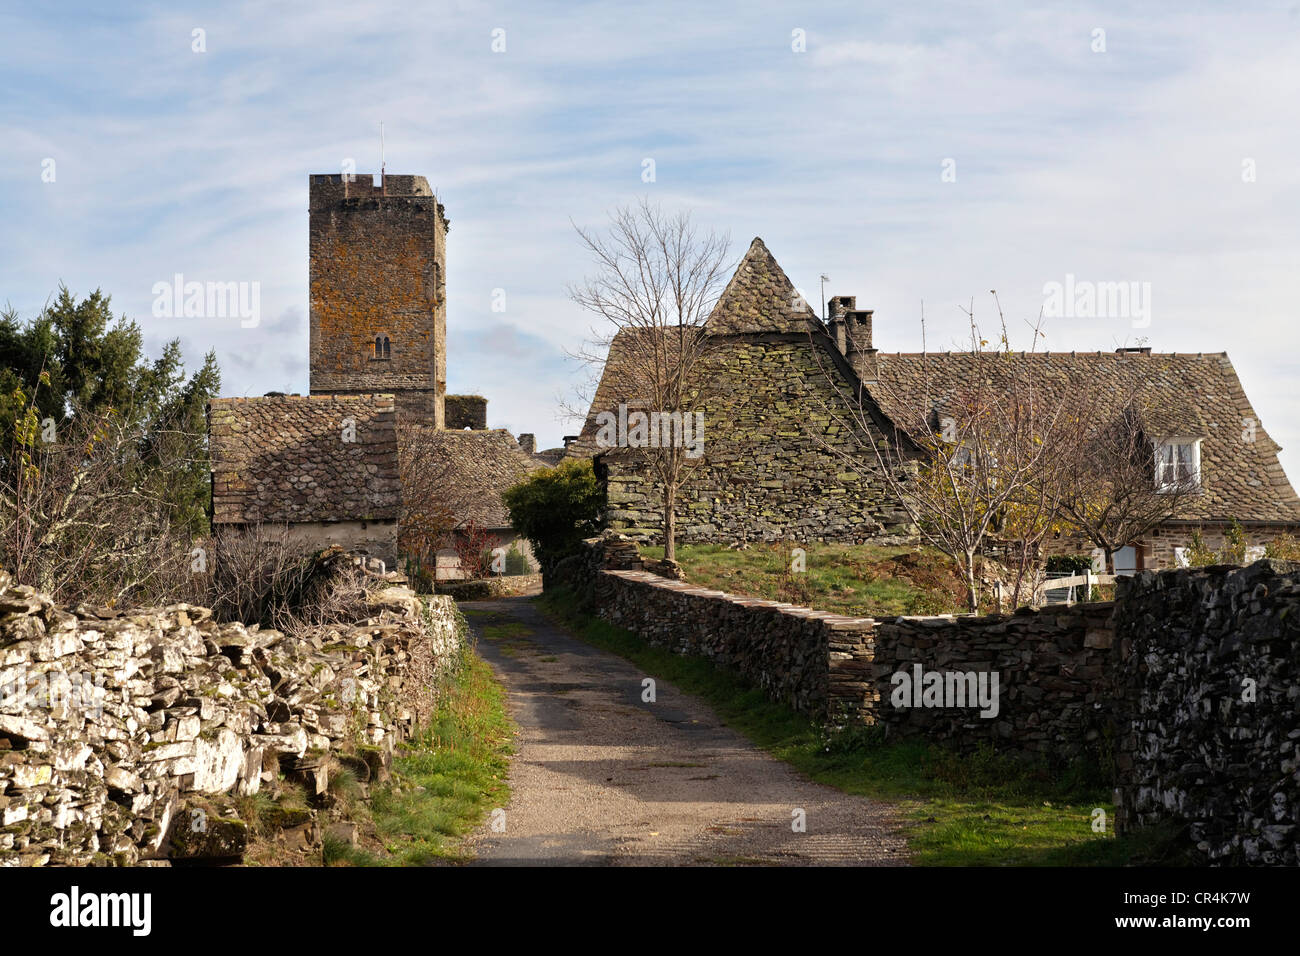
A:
[483,589]
[1051,664]
[782,648]
[114,722]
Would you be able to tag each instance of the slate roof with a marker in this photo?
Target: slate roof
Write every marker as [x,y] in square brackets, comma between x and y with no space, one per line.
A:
[479,466]
[617,384]
[1181,395]
[284,459]
[550,457]
[760,298]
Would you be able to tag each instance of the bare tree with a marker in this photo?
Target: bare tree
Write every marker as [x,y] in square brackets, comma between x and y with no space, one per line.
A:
[657,279]
[264,574]
[1118,489]
[80,517]
[432,500]
[970,457]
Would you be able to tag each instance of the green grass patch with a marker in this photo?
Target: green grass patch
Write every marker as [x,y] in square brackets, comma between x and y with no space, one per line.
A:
[982,809]
[448,778]
[858,580]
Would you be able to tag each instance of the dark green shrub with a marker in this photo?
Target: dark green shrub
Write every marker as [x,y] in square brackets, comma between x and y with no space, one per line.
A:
[555,508]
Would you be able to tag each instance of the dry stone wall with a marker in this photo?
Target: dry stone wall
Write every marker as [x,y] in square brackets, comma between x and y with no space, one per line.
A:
[1207,673]
[113,722]
[1049,666]
[782,648]
[1186,687]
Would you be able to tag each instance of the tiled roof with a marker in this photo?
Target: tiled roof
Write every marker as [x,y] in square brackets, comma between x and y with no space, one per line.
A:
[1180,395]
[760,298]
[477,466]
[288,458]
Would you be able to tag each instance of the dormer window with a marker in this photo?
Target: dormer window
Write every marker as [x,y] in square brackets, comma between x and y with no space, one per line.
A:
[383,348]
[1178,464]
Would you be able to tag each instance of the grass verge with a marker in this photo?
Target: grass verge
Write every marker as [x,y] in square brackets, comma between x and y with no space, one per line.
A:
[446,779]
[860,580]
[977,810]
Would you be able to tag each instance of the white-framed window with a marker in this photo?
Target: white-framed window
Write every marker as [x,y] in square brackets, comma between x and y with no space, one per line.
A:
[1178,464]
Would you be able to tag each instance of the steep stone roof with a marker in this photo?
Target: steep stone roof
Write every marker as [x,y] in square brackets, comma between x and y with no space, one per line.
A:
[1181,396]
[760,298]
[476,468]
[286,458]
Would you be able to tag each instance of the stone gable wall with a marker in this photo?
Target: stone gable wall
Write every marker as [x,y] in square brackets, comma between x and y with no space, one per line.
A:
[770,468]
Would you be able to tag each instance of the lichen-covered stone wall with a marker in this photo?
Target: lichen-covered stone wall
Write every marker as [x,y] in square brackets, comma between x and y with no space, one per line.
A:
[1051,664]
[1186,688]
[117,725]
[781,648]
[466,411]
[780,459]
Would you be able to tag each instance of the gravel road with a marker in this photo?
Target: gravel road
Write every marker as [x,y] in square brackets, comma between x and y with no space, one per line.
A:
[601,778]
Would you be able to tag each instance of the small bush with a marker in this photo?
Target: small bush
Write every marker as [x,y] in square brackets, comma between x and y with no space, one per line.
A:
[1285,547]
[555,508]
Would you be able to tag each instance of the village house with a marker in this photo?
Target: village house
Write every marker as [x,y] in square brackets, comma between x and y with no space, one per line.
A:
[323,466]
[775,445]
[328,465]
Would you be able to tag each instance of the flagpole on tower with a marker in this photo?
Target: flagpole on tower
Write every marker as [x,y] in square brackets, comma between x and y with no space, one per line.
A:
[383,186]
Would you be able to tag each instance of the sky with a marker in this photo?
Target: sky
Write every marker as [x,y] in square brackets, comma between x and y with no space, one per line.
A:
[918,155]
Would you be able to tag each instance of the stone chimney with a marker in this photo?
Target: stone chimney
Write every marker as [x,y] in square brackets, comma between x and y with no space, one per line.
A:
[837,308]
[850,328]
[528,442]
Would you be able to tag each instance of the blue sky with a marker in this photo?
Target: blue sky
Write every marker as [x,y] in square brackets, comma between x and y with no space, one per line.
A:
[1116,165]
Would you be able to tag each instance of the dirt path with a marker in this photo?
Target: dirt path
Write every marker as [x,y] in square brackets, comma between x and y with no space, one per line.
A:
[602,778]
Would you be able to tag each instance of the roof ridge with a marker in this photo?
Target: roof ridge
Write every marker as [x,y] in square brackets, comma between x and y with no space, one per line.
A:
[760,297]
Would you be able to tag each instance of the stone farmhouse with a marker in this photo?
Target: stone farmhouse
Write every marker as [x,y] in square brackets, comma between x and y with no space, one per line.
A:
[327,464]
[770,468]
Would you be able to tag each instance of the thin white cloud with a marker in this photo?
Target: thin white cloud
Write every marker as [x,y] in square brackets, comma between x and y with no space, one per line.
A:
[1113,166]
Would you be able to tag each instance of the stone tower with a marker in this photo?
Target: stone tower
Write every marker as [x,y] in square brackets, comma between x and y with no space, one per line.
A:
[378,292]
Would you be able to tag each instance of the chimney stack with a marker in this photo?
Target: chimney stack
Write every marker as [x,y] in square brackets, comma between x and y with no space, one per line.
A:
[850,328]
[528,442]
[837,308]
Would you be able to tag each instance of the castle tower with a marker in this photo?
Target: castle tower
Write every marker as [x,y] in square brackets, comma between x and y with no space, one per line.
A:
[378,292]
